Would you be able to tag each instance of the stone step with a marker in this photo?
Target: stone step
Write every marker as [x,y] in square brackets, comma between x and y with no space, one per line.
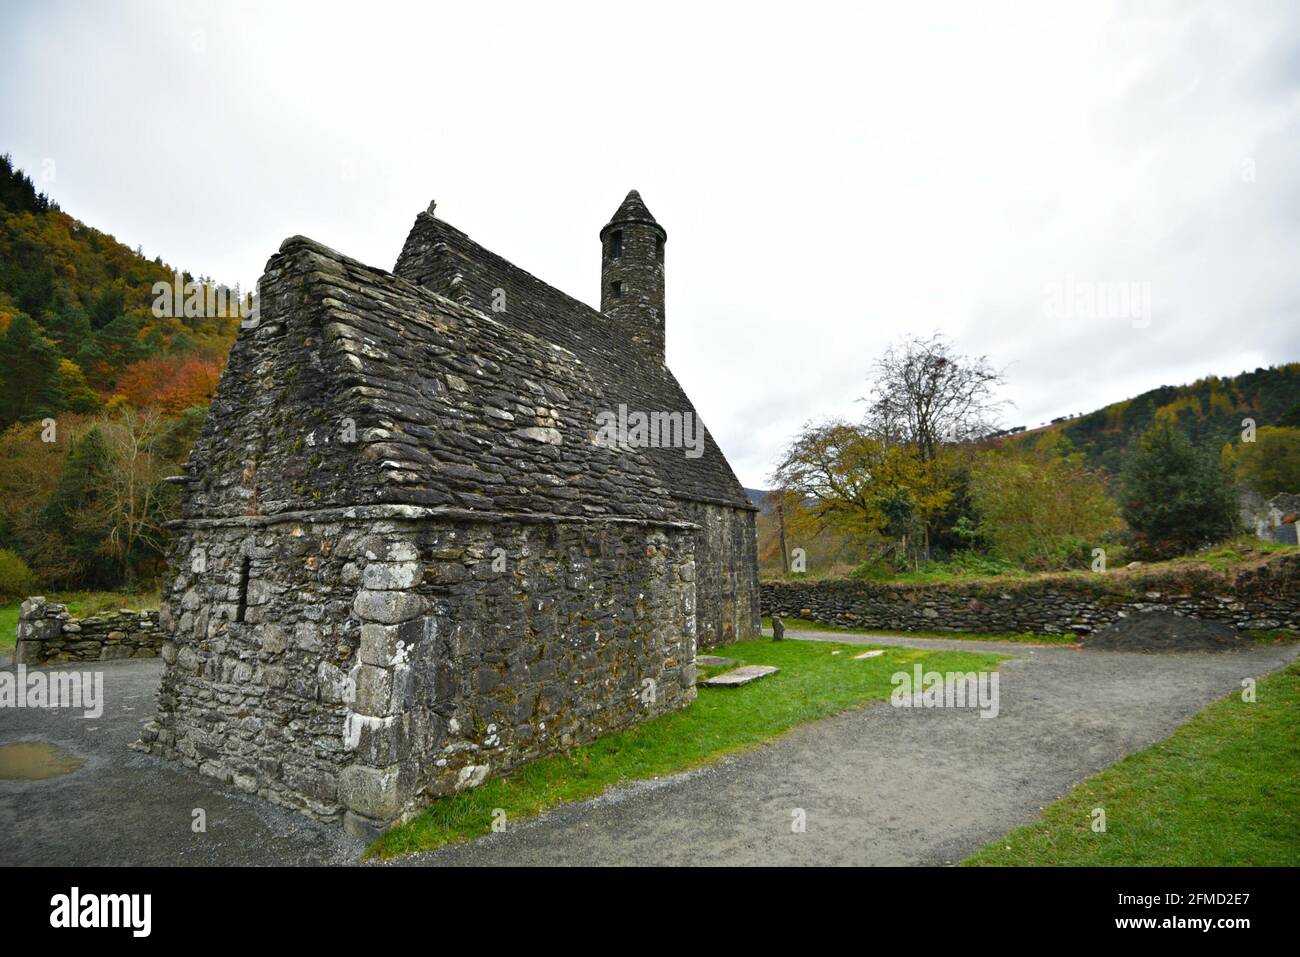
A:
[740,676]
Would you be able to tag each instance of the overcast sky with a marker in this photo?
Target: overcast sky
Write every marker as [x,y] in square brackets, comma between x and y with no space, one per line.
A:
[831,176]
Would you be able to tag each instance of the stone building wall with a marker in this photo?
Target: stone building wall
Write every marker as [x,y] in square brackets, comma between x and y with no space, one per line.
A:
[48,634]
[355,666]
[1265,597]
[727,601]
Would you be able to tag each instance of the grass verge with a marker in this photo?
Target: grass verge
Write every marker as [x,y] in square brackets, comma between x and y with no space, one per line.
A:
[813,683]
[1222,791]
[81,604]
[1027,637]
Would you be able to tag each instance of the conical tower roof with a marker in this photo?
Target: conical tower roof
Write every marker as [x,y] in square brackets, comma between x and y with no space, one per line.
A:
[633,210]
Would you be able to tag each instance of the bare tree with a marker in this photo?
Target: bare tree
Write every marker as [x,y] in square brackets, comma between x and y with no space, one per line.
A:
[925,394]
[132,505]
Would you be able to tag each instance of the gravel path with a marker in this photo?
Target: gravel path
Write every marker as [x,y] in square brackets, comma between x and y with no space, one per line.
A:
[127,808]
[884,785]
[878,785]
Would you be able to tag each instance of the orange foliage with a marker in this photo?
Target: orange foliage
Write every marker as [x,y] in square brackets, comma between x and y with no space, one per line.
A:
[170,384]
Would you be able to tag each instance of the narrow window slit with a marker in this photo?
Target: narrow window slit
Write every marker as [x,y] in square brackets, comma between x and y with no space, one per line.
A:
[243,589]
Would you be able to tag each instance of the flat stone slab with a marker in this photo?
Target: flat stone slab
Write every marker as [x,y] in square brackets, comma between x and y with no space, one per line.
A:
[740,676]
[869,654]
[713,661]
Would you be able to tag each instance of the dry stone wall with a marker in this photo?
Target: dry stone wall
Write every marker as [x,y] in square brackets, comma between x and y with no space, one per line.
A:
[1264,597]
[48,634]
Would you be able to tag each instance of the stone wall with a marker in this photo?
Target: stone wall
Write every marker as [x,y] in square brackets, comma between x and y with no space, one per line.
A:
[727,599]
[1273,520]
[354,666]
[48,634]
[1262,597]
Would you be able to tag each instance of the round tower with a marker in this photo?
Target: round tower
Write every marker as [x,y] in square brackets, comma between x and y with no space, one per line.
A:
[632,273]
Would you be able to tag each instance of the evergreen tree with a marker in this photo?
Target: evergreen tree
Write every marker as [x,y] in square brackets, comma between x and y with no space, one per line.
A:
[107,307]
[72,511]
[1175,496]
[70,328]
[182,344]
[30,389]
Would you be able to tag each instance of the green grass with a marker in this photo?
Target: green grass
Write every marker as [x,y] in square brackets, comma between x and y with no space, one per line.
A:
[968,568]
[813,683]
[82,604]
[1026,637]
[1274,636]
[1224,790]
[1231,554]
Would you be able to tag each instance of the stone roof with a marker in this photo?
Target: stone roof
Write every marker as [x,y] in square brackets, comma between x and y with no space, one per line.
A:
[445,260]
[448,408]
[632,210]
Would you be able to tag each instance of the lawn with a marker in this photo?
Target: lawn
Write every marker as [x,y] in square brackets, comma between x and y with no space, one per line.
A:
[817,679]
[1224,790]
[1027,637]
[81,604]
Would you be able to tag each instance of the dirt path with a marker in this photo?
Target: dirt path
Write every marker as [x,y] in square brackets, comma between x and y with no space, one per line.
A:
[878,785]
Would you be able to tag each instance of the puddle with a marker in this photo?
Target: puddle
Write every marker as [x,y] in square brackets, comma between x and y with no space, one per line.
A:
[35,761]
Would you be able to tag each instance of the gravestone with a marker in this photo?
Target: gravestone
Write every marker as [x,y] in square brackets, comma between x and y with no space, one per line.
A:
[741,676]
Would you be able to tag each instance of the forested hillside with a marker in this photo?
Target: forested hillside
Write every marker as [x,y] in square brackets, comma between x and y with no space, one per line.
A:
[1210,412]
[101,394]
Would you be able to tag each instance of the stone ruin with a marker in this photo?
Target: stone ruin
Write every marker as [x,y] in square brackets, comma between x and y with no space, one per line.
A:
[1273,520]
[408,559]
[48,634]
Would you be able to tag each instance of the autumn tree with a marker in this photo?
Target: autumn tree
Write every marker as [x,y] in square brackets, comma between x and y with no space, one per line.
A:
[170,384]
[1039,506]
[856,482]
[29,478]
[1271,463]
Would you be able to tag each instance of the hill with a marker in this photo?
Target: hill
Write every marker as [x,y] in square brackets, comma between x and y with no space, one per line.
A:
[77,317]
[1210,411]
[104,383]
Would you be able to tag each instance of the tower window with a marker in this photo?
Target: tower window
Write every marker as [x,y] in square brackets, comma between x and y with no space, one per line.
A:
[616,244]
[617,289]
[659,249]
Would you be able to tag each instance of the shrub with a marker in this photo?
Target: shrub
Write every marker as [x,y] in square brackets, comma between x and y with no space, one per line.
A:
[1040,506]
[16,579]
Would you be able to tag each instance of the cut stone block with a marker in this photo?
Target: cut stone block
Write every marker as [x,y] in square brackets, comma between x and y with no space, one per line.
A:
[869,654]
[740,676]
